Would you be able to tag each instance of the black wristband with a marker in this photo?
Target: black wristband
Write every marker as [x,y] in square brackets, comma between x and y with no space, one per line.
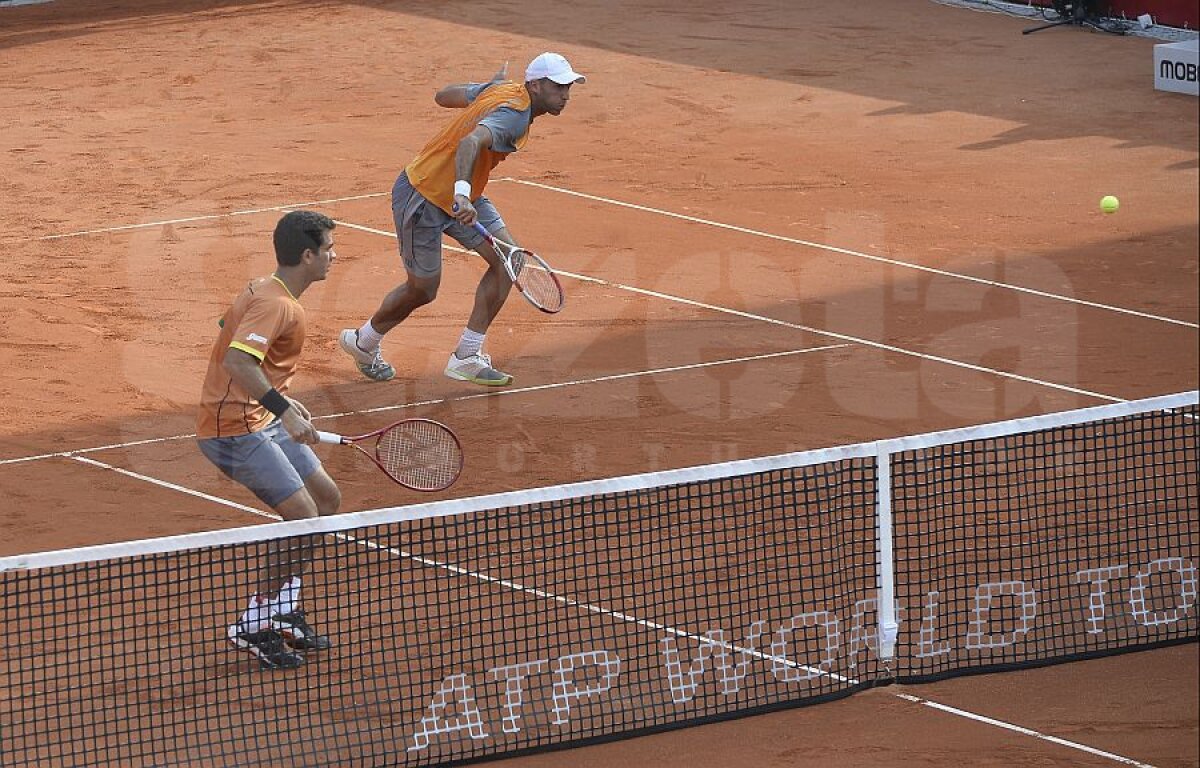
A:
[274,402]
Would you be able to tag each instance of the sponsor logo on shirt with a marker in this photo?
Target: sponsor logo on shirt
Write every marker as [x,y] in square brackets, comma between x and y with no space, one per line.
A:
[256,337]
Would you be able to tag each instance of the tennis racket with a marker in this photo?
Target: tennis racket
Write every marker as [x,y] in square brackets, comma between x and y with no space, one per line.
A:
[529,272]
[417,453]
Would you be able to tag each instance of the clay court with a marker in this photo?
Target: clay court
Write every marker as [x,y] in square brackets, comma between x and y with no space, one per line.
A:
[782,227]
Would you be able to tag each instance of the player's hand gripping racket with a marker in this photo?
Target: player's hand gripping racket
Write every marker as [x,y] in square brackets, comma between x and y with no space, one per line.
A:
[417,453]
[529,272]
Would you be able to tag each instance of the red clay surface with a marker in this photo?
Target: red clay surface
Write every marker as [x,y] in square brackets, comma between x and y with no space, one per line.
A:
[932,136]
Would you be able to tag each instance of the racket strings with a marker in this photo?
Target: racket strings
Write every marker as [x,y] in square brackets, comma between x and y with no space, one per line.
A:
[537,281]
[421,455]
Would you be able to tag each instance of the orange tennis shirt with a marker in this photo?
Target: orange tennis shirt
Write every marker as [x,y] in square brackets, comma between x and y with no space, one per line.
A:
[432,172]
[266,321]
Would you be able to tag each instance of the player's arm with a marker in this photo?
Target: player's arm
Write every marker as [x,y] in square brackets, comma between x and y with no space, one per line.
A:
[458,96]
[246,371]
[453,96]
[464,168]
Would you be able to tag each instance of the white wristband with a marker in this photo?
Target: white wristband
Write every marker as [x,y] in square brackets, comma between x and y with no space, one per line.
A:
[462,188]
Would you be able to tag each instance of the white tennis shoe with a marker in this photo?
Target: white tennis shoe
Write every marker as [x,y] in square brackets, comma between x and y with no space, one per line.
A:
[476,369]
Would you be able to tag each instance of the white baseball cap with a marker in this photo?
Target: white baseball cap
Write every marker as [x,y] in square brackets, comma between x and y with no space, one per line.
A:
[553,66]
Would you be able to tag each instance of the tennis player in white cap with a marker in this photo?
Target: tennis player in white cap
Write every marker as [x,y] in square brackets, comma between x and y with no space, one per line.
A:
[442,190]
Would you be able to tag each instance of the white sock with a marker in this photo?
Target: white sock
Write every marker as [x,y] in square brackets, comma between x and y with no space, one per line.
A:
[368,337]
[469,344]
[289,596]
[256,616]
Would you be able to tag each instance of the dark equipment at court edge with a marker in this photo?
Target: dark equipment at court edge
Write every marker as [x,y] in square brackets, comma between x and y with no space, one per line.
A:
[1081,13]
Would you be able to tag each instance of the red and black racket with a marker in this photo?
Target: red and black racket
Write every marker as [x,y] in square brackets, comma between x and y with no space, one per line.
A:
[417,453]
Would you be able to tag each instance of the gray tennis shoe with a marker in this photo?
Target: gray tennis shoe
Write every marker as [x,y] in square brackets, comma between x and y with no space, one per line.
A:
[370,364]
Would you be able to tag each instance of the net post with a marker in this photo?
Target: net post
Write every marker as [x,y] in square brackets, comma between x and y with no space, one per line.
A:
[888,626]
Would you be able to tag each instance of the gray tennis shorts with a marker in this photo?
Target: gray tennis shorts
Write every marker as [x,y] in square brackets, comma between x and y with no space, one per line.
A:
[268,462]
[420,224]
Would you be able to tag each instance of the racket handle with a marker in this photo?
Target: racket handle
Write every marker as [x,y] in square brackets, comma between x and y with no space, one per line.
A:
[478,227]
[482,230]
[330,437]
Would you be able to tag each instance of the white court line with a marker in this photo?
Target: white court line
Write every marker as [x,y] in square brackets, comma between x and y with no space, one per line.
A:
[442,400]
[1021,730]
[174,487]
[596,380]
[208,217]
[93,449]
[797,326]
[859,254]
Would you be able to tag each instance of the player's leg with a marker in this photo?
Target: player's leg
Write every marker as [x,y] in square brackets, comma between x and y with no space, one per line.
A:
[494,287]
[258,462]
[400,302]
[287,617]
[419,227]
[469,362]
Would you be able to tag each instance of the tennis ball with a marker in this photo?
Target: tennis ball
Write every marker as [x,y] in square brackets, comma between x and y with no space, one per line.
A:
[1109,204]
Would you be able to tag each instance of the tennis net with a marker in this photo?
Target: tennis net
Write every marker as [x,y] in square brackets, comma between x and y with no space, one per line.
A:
[524,621]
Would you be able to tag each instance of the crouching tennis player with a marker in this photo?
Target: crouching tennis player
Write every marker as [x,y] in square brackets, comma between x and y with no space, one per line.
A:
[260,437]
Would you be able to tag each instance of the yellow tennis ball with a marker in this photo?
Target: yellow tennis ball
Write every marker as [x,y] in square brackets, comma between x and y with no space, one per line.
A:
[1109,204]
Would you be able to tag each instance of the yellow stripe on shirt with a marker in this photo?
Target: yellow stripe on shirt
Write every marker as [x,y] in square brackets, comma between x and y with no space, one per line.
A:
[248,350]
